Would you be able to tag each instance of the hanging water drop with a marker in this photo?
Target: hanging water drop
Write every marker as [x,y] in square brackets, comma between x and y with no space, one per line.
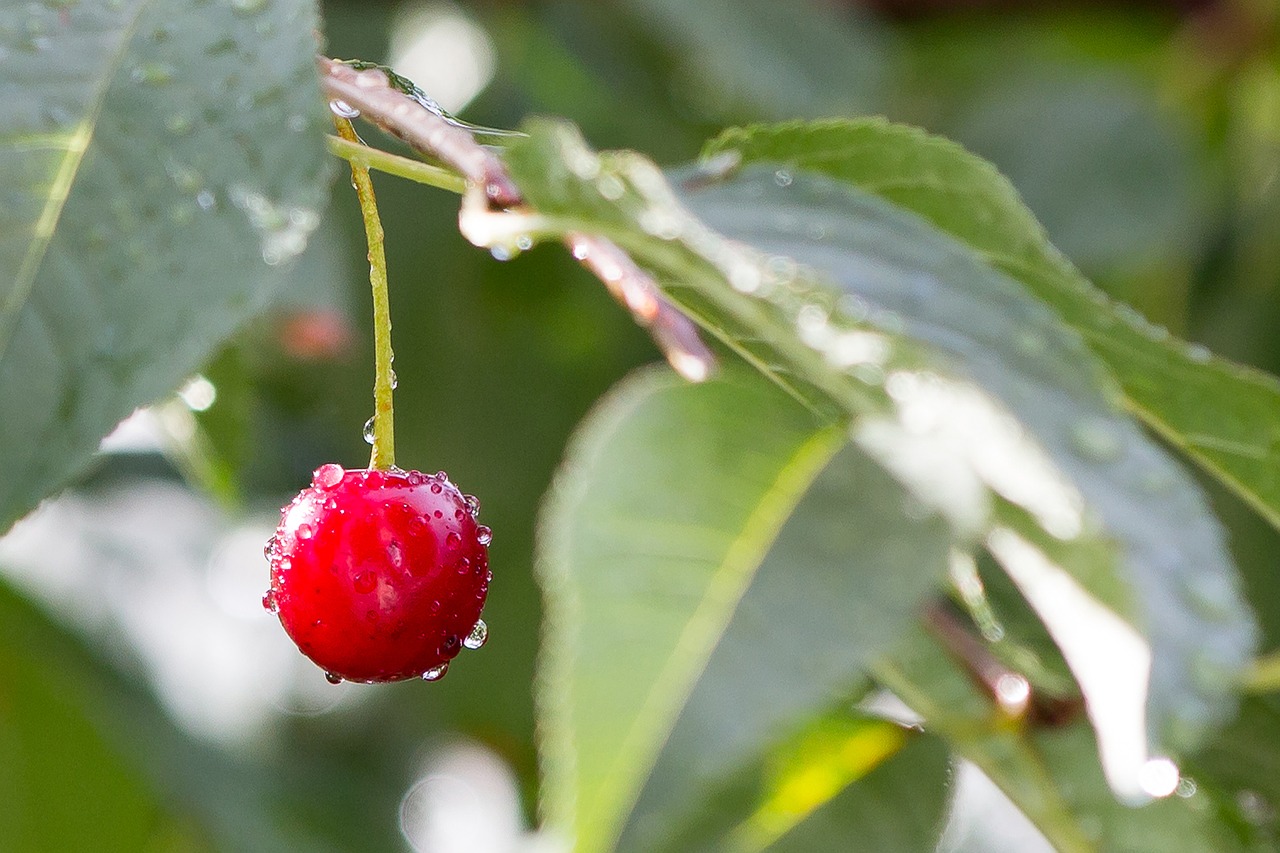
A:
[473,504]
[478,637]
[269,549]
[269,601]
[343,110]
[436,672]
[333,678]
[368,431]
[304,531]
[484,535]
[395,382]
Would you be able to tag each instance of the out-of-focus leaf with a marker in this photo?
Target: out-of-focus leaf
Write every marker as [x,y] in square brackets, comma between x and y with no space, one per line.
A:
[718,570]
[1050,773]
[1219,414]
[62,786]
[773,60]
[1039,505]
[898,806]
[161,164]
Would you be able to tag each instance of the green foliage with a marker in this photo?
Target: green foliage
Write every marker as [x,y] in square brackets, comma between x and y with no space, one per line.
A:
[161,167]
[924,408]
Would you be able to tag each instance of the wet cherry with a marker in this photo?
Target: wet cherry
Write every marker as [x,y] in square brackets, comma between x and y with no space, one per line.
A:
[380,575]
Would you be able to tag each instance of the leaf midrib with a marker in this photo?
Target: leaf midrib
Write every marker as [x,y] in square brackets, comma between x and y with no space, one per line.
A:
[64,180]
[651,727]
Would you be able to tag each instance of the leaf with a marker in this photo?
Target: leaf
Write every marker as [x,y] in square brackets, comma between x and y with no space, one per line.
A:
[772,60]
[708,554]
[1223,416]
[160,165]
[1092,519]
[898,806]
[62,785]
[1049,773]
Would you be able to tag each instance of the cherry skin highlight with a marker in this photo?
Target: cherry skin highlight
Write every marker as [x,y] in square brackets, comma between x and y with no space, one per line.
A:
[380,575]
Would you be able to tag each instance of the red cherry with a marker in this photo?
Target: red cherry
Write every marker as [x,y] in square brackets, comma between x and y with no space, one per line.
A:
[380,575]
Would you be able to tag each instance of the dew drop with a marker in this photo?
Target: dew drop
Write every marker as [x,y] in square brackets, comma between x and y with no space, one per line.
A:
[179,124]
[473,504]
[155,73]
[269,549]
[443,478]
[439,514]
[269,601]
[458,515]
[416,478]
[368,431]
[453,540]
[501,252]
[365,582]
[417,526]
[206,200]
[524,242]
[304,531]
[436,672]
[782,178]
[332,678]
[1199,353]
[464,565]
[395,554]
[395,382]
[436,488]
[450,645]
[484,535]
[478,637]
[327,476]
[1096,440]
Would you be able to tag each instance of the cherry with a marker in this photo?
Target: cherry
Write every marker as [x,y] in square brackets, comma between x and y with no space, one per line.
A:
[380,575]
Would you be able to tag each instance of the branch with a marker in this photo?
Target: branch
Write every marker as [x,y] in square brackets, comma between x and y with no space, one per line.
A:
[370,92]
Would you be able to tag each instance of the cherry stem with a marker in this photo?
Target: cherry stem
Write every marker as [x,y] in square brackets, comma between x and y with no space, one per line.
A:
[369,92]
[384,441]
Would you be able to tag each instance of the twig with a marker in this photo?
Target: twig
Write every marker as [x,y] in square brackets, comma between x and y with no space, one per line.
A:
[369,91]
[1011,690]
[675,335]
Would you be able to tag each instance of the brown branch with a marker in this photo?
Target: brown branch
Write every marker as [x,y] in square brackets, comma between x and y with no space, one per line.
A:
[370,92]
[1010,690]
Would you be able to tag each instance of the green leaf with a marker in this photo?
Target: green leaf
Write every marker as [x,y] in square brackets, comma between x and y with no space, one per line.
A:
[898,806]
[708,553]
[1223,416]
[62,785]
[766,59]
[1098,526]
[160,165]
[1050,773]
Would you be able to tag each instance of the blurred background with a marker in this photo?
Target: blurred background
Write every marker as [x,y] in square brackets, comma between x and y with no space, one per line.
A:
[147,702]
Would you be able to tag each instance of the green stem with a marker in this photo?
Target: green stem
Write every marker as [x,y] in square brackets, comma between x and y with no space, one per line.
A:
[393,164]
[384,442]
